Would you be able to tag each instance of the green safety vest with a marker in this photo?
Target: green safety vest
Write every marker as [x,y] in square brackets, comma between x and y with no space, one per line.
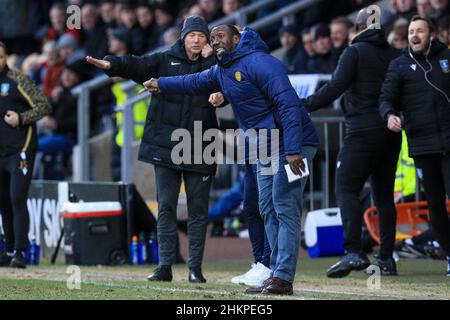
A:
[139,113]
[405,176]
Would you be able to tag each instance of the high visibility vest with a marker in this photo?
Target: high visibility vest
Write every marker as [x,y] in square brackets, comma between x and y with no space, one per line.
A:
[139,113]
[405,176]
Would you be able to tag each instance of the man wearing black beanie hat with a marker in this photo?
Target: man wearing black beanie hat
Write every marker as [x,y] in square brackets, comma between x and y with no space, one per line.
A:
[167,113]
[194,23]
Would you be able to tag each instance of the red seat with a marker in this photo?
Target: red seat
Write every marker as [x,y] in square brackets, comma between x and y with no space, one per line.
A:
[412,219]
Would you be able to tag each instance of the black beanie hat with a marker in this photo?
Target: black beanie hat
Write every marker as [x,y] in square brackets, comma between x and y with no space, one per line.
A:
[122,34]
[194,23]
[292,29]
[80,68]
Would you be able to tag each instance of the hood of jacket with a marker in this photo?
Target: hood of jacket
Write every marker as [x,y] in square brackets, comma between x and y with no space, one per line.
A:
[375,37]
[250,42]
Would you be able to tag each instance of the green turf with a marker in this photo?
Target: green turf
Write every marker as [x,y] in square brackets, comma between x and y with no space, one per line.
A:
[418,279]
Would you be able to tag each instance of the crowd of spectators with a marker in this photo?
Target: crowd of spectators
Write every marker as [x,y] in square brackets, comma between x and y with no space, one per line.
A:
[41,45]
[316,49]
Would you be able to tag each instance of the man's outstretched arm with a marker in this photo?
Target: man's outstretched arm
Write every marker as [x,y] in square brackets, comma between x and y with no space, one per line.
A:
[340,81]
[201,83]
[130,67]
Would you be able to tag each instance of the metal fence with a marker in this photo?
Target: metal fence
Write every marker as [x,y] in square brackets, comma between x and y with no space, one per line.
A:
[84,90]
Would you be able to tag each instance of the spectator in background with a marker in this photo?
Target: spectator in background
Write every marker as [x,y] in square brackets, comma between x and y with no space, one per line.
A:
[54,66]
[15,26]
[164,18]
[443,26]
[308,43]
[36,65]
[68,50]
[423,7]
[147,25]
[404,9]
[212,9]
[61,125]
[107,12]
[119,41]
[294,58]
[439,8]
[339,29]
[322,61]
[231,6]
[94,41]
[58,19]
[118,44]
[171,36]
[196,10]
[128,19]
[398,37]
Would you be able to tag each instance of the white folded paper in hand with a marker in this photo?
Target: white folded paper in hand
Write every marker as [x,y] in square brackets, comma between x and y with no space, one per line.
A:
[292,176]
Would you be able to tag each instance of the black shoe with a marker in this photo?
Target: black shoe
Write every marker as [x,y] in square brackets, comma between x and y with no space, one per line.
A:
[348,263]
[196,276]
[217,229]
[5,258]
[162,273]
[18,260]
[387,267]
[259,290]
[410,251]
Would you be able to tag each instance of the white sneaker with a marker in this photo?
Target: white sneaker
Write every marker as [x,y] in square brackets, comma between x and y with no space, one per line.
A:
[237,279]
[256,278]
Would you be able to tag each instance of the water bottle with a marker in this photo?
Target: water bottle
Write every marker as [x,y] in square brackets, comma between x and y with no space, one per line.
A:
[34,252]
[150,258]
[2,243]
[31,252]
[226,226]
[154,247]
[142,246]
[134,250]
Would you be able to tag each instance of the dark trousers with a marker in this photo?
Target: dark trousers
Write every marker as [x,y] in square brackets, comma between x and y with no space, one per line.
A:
[436,180]
[14,184]
[373,155]
[197,186]
[255,222]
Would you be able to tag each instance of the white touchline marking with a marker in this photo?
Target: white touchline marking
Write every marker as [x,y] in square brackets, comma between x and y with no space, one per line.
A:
[216,292]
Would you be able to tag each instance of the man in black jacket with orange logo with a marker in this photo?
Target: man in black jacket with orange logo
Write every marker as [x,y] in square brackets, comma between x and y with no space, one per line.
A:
[21,105]
[369,149]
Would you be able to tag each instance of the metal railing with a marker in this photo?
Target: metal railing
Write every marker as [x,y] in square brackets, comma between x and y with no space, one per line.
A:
[324,194]
[83,91]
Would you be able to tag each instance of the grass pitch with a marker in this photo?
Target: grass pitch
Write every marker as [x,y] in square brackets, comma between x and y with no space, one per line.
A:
[418,279]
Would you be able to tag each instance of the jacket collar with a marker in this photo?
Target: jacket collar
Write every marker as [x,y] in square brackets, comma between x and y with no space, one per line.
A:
[436,47]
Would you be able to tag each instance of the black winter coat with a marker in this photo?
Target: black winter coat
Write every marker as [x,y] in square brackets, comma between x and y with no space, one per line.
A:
[360,73]
[168,112]
[425,109]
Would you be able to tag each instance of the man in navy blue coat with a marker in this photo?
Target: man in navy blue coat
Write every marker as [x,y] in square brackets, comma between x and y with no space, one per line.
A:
[258,88]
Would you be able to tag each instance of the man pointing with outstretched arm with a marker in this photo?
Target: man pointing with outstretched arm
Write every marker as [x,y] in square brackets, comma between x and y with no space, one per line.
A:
[258,88]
